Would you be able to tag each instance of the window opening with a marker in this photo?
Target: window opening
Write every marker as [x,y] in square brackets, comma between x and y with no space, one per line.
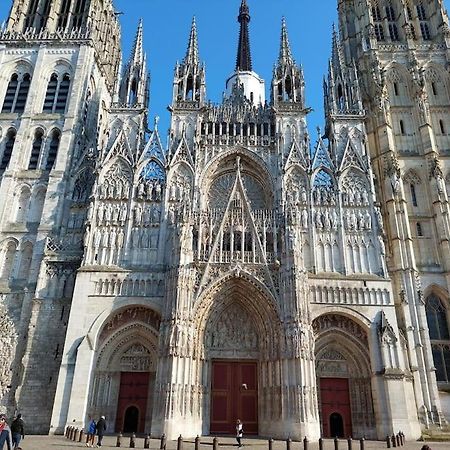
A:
[36,150]
[53,150]
[419,229]
[11,90]
[22,94]
[413,194]
[7,151]
[441,126]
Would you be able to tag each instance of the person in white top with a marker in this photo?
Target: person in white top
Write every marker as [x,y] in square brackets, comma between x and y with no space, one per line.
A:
[239,432]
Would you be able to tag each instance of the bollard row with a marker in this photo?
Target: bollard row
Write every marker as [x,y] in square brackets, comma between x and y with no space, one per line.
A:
[396,440]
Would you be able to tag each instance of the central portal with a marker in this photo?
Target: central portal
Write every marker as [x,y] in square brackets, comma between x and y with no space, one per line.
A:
[234,395]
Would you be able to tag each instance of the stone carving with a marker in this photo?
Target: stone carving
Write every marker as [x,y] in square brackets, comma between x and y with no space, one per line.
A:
[137,359]
[116,183]
[233,331]
[330,321]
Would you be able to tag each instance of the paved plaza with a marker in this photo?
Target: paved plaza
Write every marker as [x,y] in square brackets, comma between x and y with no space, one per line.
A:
[59,442]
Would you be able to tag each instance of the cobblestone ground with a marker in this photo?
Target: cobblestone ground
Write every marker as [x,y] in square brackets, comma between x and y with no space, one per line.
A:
[60,443]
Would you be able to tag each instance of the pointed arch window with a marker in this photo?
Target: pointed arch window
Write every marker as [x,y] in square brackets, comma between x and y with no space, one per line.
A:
[378,23]
[9,253]
[16,93]
[36,149]
[423,22]
[442,126]
[412,188]
[53,150]
[45,13]
[57,94]
[63,17]
[392,23]
[78,13]
[438,326]
[8,149]
[31,14]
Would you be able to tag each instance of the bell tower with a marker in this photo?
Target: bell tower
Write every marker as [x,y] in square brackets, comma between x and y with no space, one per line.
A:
[401,50]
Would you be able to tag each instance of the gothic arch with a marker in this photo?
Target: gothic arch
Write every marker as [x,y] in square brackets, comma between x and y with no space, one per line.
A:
[252,296]
[225,164]
[412,177]
[9,249]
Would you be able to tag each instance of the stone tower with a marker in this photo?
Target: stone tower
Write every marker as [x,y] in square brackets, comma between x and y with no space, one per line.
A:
[58,71]
[401,49]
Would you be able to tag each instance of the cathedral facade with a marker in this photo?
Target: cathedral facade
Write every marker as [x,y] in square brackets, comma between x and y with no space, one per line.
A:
[241,270]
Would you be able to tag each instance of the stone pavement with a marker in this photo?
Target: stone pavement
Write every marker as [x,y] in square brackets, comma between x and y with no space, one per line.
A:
[227,443]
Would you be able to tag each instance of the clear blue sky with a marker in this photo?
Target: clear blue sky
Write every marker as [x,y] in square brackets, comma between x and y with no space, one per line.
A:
[166,29]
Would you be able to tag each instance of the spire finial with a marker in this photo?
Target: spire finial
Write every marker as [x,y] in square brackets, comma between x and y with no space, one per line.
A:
[192,49]
[137,54]
[285,47]
[244,59]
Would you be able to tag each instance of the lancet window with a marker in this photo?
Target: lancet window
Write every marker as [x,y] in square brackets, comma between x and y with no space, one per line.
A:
[392,22]
[16,93]
[7,149]
[423,22]
[31,14]
[9,253]
[438,325]
[63,17]
[57,94]
[36,149]
[52,150]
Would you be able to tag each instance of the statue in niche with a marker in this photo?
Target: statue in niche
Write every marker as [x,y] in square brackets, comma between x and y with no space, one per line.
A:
[365,198]
[97,238]
[158,192]
[173,192]
[368,221]
[135,238]
[156,214]
[123,213]
[105,238]
[138,215]
[319,223]
[334,219]
[100,212]
[327,221]
[112,238]
[305,218]
[146,216]
[108,212]
[120,239]
[141,190]
[150,188]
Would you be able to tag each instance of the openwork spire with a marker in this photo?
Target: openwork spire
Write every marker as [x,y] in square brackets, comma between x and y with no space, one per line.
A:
[285,48]
[192,49]
[244,58]
[337,57]
[137,54]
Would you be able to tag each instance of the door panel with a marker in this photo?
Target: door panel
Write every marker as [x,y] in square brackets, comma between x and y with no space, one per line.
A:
[234,395]
[335,399]
[133,392]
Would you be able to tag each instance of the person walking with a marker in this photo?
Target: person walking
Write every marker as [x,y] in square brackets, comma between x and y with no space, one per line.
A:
[92,427]
[239,432]
[101,428]
[17,431]
[5,434]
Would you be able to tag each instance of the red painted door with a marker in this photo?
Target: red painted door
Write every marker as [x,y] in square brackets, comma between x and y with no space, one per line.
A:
[336,411]
[234,395]
[133,393]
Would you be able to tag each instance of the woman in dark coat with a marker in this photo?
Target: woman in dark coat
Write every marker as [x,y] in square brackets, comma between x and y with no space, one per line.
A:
[101,428]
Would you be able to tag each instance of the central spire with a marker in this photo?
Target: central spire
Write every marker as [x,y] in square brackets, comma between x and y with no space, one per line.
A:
[244,58]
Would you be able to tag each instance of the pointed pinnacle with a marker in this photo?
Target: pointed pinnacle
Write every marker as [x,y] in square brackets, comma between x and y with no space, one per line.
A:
[192,49]
[244,58]
[285,48]
[336,52]
[137,54]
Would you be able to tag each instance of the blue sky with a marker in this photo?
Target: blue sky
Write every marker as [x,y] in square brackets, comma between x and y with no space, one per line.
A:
[166,29]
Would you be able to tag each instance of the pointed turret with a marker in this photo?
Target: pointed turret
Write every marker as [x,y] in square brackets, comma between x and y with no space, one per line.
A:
[244,57]
[189,81]
[342,93]
[134,85]
[288,82]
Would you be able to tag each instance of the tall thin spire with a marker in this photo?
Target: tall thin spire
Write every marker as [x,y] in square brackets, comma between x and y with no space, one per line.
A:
[285,48]
[244,58]
[192,49]
[137,54]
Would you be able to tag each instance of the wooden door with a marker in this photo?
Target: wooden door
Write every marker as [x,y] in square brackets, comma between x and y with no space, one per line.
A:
[234,395]
[335,407]
[133,393]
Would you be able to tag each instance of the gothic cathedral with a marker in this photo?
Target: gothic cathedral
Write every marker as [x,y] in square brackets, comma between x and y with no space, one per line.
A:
[241,270]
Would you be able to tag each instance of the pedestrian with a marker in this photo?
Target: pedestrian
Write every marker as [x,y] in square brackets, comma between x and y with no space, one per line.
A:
[5,434]
[17,430]
[92,427]
[101,428]
[239,432]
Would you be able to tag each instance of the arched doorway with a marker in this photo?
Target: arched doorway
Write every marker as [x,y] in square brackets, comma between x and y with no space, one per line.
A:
[125,370]
[343,378]
[239,324]
[131,420]
[336,425]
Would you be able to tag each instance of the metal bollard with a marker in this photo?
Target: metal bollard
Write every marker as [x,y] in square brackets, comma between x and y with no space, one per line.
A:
[215,444]
[72,431]
[270,444]
[180,443]
[305,443]
[320,444]
[388,442]
[147,441]
[397,438]
[402,437]
[119,440]
[350,443]
[68,432]
[163,442]
[133,441]
[362,443]
[336,443]
[394,441]
[75,436]
[81,435]
[197,443]
[288,443]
